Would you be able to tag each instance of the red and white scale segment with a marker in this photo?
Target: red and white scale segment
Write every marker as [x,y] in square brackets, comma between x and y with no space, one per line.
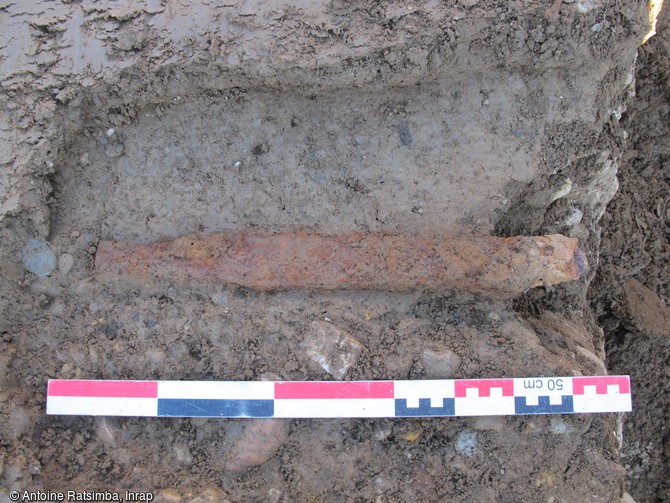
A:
[339,399]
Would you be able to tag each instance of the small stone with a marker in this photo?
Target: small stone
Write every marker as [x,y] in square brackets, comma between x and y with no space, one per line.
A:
[65,263]
[405,133]
[545,478]
[19,421]
[645,310]
[466,443]
[559,427]
[382,432]
[155,356]
[75,234]
[10,270]
[111,132]
[575,217]
[412,435]
[220,299]
[275,495]
[168,496]
[440,365]
[115,149]
[183,454]
[38,257]
[211,495]
[92,249]
[260,441]
[35,468]
[5,379]
[84,160]
[260,149]
[105,430]
[334,350]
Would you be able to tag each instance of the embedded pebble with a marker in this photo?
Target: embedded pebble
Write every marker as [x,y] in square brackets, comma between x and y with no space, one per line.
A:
[65,263]
[220,300]
[10,270]
[382,432]
[105,431]
[115,150]
[333,349]
[211,495]
[38,257]
[275,495]
[559,426]
[168,496]
[404,133]
[5,380]
[574,218]
[19,421]
[183,454]
[440,365]
[155,355]
[466,443]
[260,441]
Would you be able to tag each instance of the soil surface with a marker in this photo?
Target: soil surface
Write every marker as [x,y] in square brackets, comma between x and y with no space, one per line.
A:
[142,121]
[632,289]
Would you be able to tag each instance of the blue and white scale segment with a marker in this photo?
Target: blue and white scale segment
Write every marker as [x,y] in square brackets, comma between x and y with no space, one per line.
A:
[336,399]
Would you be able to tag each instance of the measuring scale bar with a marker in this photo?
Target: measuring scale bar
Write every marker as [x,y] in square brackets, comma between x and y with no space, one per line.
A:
[340,399]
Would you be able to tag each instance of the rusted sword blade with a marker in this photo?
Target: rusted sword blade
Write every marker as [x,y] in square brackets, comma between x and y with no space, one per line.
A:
[502,267]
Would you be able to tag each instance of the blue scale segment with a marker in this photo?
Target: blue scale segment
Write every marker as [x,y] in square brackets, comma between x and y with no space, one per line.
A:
[190,407]
[424,408]
[543,406]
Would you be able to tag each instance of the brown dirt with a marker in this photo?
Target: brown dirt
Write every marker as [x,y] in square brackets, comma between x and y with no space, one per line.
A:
[632,289]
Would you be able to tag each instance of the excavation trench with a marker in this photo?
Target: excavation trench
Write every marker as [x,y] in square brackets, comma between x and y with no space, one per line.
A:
[371,121]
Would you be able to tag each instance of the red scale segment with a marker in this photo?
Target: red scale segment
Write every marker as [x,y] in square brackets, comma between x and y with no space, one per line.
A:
[104,389]
[484,386]
[600,383]
[332,389]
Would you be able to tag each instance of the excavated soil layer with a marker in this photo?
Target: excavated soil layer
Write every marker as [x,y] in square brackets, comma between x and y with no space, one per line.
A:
[149,121]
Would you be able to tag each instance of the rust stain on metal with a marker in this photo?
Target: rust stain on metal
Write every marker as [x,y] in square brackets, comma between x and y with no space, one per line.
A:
[501,267]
